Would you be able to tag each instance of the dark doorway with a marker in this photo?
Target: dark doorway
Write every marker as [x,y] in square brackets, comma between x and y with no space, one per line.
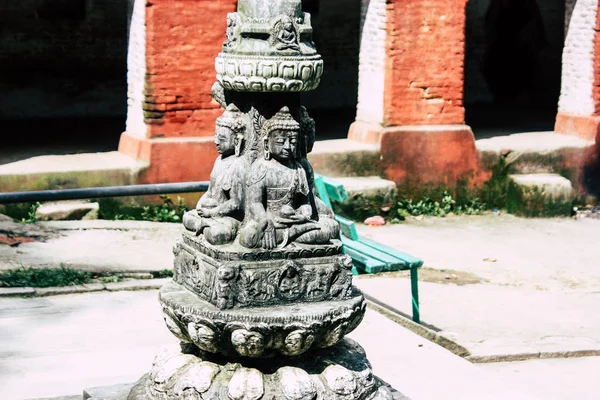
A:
[336,25]
[63,76]
[513,65]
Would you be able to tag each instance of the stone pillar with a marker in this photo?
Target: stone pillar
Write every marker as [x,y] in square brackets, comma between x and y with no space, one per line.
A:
[171,114]
[414,100]
[579,104]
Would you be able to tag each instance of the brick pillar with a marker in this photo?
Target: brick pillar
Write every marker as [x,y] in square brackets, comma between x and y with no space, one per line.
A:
[171,115]
[414,90]
[579,104]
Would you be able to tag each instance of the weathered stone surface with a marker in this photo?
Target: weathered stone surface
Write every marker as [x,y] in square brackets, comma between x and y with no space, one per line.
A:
[371,186]
[540,195]
[289,329]
[67,211]
[291,276]
[338,373]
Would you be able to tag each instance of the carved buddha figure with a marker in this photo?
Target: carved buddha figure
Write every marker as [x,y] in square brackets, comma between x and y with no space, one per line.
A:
[220,211]
[279,210]
[284,35]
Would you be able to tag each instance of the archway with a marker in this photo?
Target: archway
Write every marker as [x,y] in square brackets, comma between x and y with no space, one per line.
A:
[62,76]
[513,65]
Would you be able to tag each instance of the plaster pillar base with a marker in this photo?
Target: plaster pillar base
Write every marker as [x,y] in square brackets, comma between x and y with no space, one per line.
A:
[182,159]
[584,126]
[423,155]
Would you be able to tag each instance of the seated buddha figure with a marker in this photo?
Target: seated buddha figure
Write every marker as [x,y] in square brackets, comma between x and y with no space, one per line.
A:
[219,212]
[278,206]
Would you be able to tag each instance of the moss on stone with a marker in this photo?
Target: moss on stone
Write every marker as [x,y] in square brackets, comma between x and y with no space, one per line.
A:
[534,203]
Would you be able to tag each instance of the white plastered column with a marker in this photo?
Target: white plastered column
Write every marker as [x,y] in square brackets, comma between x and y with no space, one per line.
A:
[136,70]
[578,58]
[371,76]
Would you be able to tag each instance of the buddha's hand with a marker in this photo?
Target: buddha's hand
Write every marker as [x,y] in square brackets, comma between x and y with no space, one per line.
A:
[206,212]
[269,241]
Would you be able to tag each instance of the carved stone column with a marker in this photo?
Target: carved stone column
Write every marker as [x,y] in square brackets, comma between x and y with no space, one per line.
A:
[262,295]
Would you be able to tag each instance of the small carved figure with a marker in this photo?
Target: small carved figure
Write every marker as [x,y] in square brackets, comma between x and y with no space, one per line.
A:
[290,283]
[278,206]
[297,342]
[220,210]
[226,292]
[202,336]
[319,285]
[247,343]
[284,35]
[231,41]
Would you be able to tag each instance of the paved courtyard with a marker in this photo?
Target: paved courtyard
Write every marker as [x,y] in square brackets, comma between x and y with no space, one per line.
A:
[505,288]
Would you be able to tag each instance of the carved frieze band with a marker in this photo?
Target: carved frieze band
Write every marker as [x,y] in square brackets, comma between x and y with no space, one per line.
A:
[268,74]
[245,332]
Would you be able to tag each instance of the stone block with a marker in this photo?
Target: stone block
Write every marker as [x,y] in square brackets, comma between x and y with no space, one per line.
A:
[369,187]
[20,291]
[55,291]
[336,158]
[540,195]
[67,211]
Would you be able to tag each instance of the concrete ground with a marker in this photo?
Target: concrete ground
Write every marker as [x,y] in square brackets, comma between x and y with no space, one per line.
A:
[500,286]
[505,288]
[60,345]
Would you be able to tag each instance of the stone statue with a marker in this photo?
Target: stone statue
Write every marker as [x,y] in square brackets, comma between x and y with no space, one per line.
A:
[220,211]
[262,293]
[279,210]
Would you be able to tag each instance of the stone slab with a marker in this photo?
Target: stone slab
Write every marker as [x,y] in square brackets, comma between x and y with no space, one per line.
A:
[72,171]
[532,142]
[54,291]
[139,284]
[344,157]
[551,185]
[19,291]
[370,186]
[67,210]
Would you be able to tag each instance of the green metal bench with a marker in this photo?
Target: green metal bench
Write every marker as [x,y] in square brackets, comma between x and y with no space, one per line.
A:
[369,256]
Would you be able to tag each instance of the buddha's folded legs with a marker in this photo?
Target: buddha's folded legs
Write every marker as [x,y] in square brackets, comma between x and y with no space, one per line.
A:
[217,231]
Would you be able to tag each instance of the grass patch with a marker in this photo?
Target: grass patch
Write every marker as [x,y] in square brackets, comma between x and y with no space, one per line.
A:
[165,273]
[42,278]
[168,211]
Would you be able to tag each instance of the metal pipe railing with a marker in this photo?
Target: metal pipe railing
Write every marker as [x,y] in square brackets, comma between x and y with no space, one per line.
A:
[102,192]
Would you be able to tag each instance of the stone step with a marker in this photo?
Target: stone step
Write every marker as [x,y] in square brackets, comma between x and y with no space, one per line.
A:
[370,186]
[346,158]
[70,171]
[540,195]
[536,152]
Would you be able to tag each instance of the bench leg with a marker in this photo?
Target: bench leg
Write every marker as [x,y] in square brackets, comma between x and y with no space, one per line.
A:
[414,283]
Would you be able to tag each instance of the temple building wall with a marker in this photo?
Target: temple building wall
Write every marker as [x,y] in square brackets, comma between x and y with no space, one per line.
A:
[424,71]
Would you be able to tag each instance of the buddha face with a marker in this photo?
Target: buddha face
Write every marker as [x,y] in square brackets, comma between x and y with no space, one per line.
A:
[283,145]
[225,141]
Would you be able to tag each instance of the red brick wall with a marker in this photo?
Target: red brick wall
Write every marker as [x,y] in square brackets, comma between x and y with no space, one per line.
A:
[183,38]
[425,62]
